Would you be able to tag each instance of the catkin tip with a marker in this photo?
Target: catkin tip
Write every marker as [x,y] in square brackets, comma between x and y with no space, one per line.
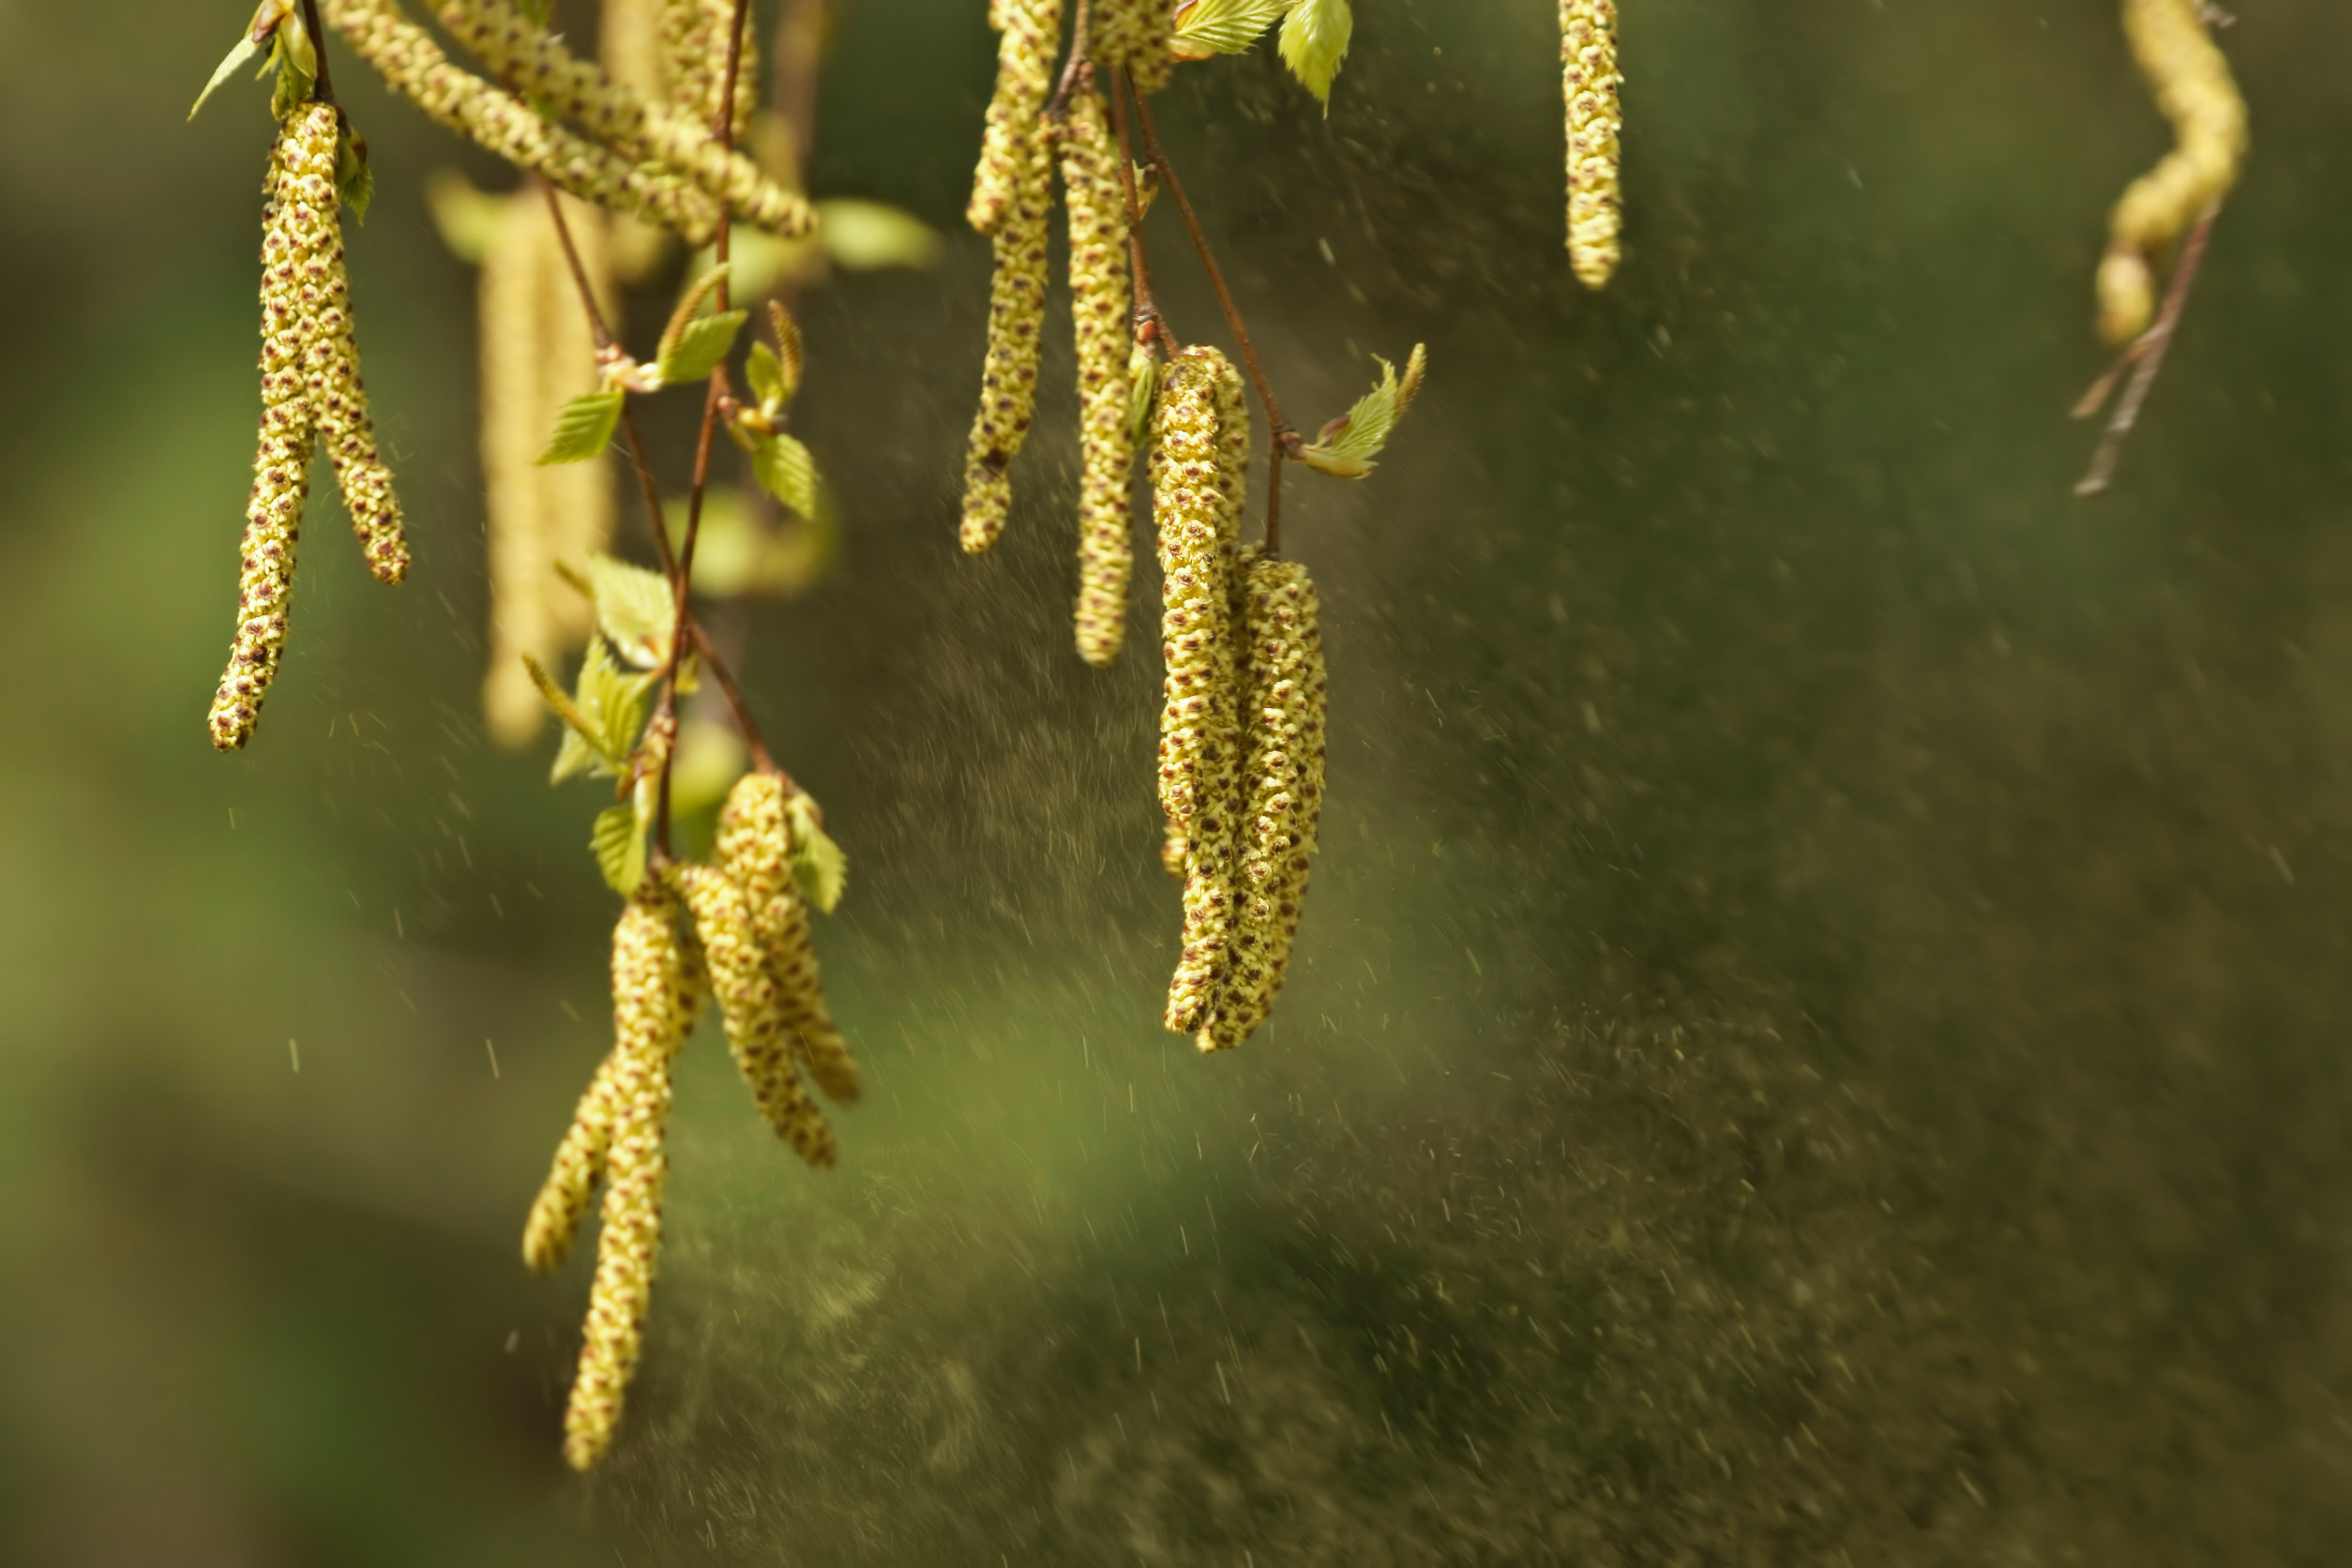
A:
[1589,82]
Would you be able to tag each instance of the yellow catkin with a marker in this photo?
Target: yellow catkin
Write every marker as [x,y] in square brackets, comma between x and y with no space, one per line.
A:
[652,1009]
[2194,89]
[693,35]
[751,1008]
[1195,512]
[1588,81]
[526,54]
[629,47]
[330,362]
[1133,33]
[1008,376]
[414,67]
[755,847]
[553,1223]
[1098,293]
[537,353]
[1282,778]
[1028,33]
[294,229]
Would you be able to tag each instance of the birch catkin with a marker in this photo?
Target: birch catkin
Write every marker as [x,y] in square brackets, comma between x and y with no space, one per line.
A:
[1098,294]
[1282,778]
[293,231]
[553,1223]
[1588,81]
[2196,93]
[1134,34]
[651,988]
[414,67]
[1194,511]
[1008,375]
[694,61]
[1028,32]
[749,1005]
[755,847]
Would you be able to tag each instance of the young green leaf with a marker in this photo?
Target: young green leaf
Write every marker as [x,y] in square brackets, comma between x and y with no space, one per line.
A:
[635,607]
[765,373]
[600,722]
[1346,448]
[245,51]
[1205,28]
[699,347]
[1142,381]
[468,217]
[786,471]
[1314,41]
[819,866]
[297,63]
[618,838]
[689,303]
[860,236]
[353,180]
[584,426]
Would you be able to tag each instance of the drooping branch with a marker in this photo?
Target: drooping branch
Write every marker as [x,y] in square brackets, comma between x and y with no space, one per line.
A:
[2145,357]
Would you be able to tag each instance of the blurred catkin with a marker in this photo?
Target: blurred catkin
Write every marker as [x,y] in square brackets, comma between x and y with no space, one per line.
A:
[2196,93]
[653,1002]
[1132,35]
[1589,81]
[693,38]
[1282,768]
[755,847]
[1028,32]
[1098,292]
[750,1008]
[1008,375]
[291,234]
[553,1223]
[414,67]
[629,47]
[1195,516]
[538,352]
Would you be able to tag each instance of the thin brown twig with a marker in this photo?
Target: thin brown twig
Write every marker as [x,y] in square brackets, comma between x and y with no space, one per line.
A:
[2145,356]
[761,757]
[1281,433]
[1075,67]
[1149,323]
[322,88]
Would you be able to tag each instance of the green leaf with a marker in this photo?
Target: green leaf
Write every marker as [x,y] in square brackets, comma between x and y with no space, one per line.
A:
[1346,448]
[1206,27]
[635,607]
[689,303]
[297,65]
[608,709]
[468,217]
[859,236]
[765,373]
[354,181]
[584,426]
[245,51]
[786,471]
[1314,41]
[1142,381]
[819,866]
[618,839]
[699,348]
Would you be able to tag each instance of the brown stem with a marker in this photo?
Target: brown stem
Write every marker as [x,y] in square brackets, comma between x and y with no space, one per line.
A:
[322,88]
[1073,68]
[2145,358]
[1149,323]
[1274,508]
[1279,432]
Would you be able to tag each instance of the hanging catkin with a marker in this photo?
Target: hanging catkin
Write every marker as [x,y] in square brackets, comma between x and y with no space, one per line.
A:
[694,61]
[294,229]
[1282,787]
[1588,80]
[654,996]
[536,353]
[2196,93]
[553,1223]
[1195,511]
[751,1007]
[755,847]
[1028,32]
[629,47]
[1134,34]
[1008,376]
[414,67]
[1098,295]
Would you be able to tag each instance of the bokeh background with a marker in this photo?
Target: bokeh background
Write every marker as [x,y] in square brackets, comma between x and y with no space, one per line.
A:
[1820,1031]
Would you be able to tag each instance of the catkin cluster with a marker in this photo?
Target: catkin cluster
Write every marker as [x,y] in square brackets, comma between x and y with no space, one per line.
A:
[1027,34]
[414,67]
[749,949]
[310,389]
[1588,81]
[1132,35]
[2196,93]
[1099,309]
[1240,778]
[537,354]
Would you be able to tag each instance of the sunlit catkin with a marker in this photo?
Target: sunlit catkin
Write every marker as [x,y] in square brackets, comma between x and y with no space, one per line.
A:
[1194,513]
[651,985]
[694,61]
[294,229]
[1133,33]
[1098,210]
[413,65]
[2194,89]
[1588,81]
[750,1008]
[1282,788]
[755,847]
[1028,33]
[537,353]
[553,1223]
[1008,375]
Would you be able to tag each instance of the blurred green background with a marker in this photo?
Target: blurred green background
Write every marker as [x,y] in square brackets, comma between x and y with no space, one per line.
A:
[1819,1034]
